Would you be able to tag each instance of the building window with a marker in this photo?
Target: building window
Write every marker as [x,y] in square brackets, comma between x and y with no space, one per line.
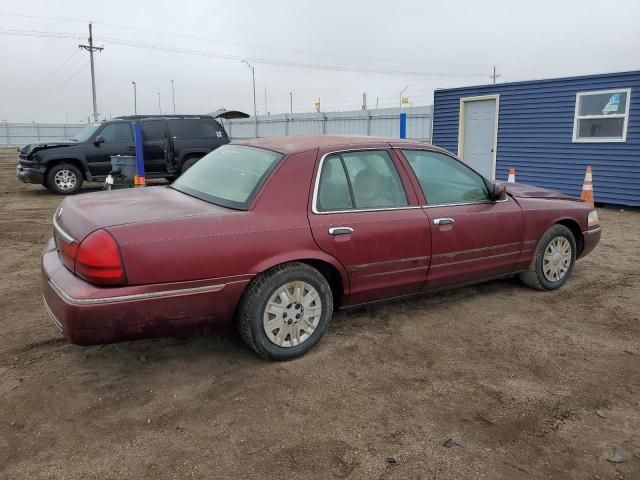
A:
[601,116]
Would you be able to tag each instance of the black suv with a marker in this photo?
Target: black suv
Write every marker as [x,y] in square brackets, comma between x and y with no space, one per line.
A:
[172,144]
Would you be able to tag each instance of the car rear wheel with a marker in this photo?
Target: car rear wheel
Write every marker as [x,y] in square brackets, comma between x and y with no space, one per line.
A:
[553,260]
[285,311]
[64,179]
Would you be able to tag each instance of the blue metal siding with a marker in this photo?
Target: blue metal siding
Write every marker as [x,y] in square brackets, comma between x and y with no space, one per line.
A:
[535,132]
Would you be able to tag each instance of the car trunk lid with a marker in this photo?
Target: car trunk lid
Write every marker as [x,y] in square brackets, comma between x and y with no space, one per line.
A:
[80,215]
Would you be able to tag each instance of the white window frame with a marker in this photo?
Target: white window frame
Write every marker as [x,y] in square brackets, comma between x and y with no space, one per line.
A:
[577,117]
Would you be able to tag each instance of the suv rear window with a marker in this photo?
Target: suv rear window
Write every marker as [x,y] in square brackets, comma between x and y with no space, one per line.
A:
[196,128]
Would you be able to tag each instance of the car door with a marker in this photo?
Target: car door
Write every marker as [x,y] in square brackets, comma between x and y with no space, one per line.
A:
[153,132]
[472,237]
[365,213]
[112,139]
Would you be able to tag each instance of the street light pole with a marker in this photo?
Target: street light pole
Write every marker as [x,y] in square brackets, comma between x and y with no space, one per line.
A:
[135,99]
[253,77]
[291,102]
[159,107]
[402,91]
[173,95]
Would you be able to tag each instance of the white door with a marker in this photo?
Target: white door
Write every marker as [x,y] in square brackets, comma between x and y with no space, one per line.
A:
[479,135]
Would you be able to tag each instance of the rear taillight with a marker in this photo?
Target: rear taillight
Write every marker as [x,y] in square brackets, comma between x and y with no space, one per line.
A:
[98,260]
[67,253]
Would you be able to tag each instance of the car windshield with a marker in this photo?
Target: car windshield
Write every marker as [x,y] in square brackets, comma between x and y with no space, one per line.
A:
[86,133]
[229,176]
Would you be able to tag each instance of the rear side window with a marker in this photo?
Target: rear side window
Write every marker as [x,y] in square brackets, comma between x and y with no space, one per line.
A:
[361,181]
[153,130]
[117,133]
[196,128]
[444,179]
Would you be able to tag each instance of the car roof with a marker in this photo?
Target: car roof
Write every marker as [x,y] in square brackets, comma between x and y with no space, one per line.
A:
[301,143]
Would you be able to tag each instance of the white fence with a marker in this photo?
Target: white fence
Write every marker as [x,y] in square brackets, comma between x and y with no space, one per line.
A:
[384,122]
[16,134]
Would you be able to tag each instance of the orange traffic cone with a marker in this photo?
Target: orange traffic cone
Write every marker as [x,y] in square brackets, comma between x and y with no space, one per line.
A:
[512,175]
[587,188]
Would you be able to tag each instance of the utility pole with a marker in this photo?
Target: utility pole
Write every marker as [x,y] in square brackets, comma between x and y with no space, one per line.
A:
[255,110]
[266,111]
[90,48]
[495,75]
[291,102]
[159,105]
[364,100]
[135,99]
[173,95]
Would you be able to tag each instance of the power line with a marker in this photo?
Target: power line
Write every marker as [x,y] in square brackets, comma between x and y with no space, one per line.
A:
[226,42]
[226,56]
[268,61]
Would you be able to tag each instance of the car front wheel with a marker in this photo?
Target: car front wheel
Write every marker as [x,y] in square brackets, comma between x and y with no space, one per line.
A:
[64,179]
[285,311]
[553,259]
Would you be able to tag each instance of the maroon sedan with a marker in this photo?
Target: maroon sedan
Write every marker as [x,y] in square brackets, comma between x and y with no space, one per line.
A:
[275,234]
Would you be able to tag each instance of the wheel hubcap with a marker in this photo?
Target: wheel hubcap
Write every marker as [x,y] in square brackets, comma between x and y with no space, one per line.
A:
[65,179]
[292,314]
[557,259]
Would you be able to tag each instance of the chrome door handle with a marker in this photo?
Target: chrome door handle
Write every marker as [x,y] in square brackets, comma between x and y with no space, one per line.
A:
[443,221]
[340,230]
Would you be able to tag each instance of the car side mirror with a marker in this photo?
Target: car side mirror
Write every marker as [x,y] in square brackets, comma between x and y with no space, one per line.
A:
[98,140]
[498,192]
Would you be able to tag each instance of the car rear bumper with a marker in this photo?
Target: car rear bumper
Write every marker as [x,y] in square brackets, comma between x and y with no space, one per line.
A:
[591,239]
[30,174]
[89,315]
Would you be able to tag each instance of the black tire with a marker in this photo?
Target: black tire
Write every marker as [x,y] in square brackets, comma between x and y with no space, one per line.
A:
[188,163]
[534,276]
[64,179]
[254,303]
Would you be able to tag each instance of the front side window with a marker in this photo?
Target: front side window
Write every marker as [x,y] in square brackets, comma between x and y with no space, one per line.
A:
[117,133]
[86,133]
[230,175]
[601,116]
[360,180]
[444,179]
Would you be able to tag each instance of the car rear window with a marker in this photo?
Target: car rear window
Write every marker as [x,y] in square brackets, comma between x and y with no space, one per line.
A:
[196,128]
[230,175]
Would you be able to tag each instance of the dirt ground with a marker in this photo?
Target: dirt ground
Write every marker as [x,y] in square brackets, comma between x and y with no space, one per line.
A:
[529,384]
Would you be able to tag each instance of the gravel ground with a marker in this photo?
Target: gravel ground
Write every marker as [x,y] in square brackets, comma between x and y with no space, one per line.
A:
[529,384]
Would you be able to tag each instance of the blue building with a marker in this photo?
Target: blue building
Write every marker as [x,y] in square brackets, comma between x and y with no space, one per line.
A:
[550,131]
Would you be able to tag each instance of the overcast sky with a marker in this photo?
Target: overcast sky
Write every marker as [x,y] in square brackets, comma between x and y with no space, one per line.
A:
[331,49]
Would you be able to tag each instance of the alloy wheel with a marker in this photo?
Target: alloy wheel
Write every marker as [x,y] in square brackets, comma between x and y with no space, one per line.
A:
[65,180]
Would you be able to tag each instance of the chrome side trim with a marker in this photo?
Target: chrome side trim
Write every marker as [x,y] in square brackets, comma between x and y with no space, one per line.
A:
[387,262]
[440,265]
[137,296]
[316,186]
[53,318]
[475,250]
[463,203]
[65,236]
